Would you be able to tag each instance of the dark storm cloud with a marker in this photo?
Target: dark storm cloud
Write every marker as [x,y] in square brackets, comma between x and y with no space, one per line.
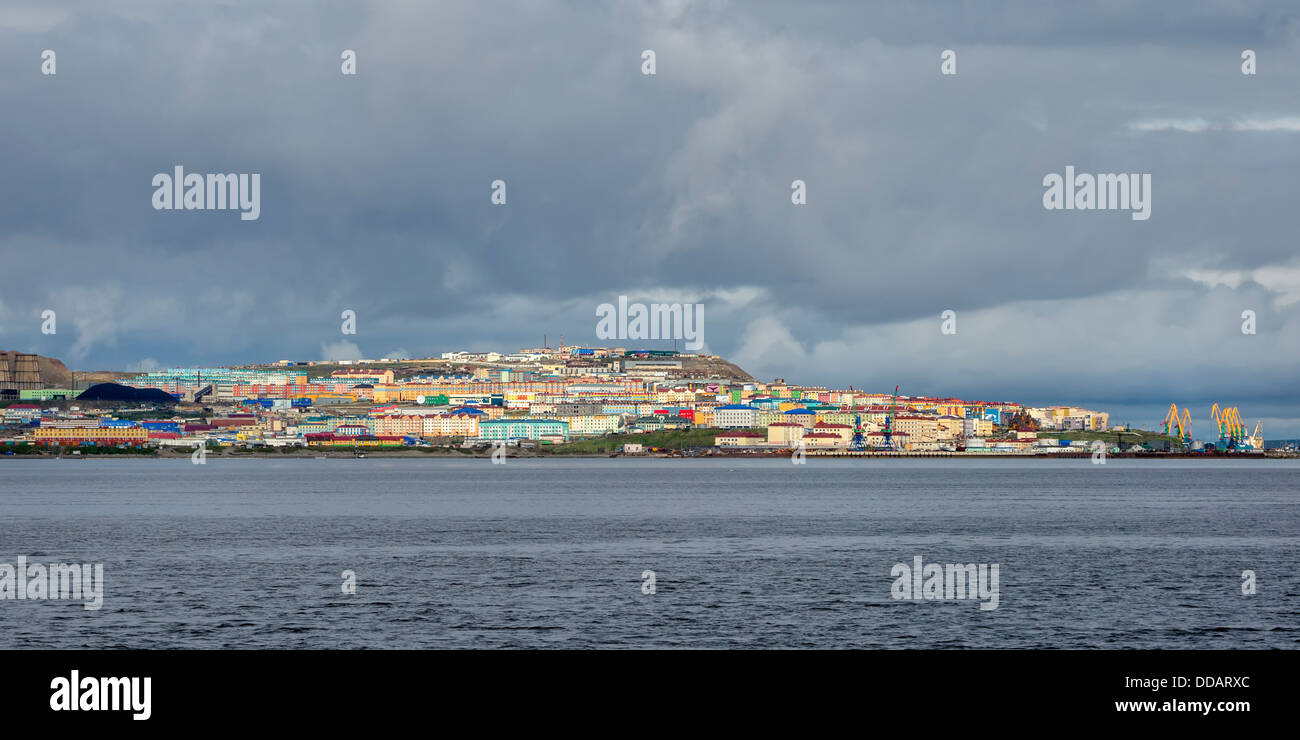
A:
[924,191]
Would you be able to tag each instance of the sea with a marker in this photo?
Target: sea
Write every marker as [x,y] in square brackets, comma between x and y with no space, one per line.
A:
[628,553]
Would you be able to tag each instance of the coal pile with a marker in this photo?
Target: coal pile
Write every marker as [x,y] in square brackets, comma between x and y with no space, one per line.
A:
[125,394]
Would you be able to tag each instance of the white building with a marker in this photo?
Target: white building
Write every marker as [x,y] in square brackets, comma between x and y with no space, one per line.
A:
[735,416]
[594,424]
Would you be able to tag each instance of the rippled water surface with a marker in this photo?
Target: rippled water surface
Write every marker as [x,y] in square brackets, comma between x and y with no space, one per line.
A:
[746,553]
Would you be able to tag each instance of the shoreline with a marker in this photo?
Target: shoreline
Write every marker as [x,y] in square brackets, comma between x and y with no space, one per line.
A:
[400,455]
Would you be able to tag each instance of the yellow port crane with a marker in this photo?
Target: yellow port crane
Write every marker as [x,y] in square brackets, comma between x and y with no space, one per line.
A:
[1179,425]
[1232,431]
[1171,419]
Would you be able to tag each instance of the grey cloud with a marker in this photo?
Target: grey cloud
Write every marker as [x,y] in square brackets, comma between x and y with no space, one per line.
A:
[924,191]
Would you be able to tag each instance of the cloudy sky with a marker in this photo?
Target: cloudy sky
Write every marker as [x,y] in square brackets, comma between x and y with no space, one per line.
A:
[924,191]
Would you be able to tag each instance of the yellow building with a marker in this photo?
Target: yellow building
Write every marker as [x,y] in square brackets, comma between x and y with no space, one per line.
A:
[979,428]
[595,424]
[739,438]
[835,416]
[823,440]
[950,428]
[949,408]
[843,432]
[674,396]
[918,428]
[1070,417]
[106,436]
[785,433]
[450,425]
[389,393]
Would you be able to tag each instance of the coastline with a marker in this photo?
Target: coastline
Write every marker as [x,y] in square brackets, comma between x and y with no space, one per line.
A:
[419,455]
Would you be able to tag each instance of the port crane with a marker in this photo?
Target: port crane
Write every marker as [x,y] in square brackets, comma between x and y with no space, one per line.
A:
[1232,431]
[1180,426]
[1171,420]
[859,443]
[889,421]
[1257,439]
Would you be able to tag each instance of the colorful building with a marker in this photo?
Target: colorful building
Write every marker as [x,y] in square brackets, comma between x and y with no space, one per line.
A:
[103,436]
[740,439]
[735,416]
[522,428]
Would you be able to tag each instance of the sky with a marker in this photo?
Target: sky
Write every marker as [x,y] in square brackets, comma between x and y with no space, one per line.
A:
[924,190]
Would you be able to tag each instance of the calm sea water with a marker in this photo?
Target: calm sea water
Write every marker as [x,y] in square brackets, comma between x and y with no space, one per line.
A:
[753,554]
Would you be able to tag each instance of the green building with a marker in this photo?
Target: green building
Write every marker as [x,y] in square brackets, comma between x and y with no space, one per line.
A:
[522,428]
[47,394]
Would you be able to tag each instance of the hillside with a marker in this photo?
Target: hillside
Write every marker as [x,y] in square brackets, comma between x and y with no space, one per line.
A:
[53,373]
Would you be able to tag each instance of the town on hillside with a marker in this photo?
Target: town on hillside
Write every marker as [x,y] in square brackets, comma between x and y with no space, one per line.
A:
[595,400]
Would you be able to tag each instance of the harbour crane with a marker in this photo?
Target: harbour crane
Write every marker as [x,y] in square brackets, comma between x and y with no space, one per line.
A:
[859,442]
[1176,425]
[889,421]
[1232,431]
[1171,420]
[1257,439]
